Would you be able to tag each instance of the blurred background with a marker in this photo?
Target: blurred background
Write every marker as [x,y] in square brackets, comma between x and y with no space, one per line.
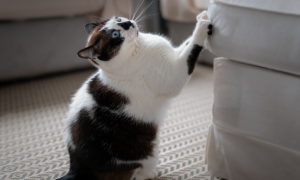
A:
[40,37]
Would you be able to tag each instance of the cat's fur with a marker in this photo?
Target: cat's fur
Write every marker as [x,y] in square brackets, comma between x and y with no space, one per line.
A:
[114,118]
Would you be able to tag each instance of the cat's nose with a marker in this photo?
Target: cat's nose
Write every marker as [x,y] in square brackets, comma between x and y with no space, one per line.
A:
[126,25]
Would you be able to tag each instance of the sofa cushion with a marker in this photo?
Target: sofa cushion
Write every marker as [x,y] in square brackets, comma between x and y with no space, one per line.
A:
[20,9]
[262,33]
[257,102]
[255,129]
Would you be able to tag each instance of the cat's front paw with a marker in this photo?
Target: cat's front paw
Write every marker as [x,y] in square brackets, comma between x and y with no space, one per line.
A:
[204,23]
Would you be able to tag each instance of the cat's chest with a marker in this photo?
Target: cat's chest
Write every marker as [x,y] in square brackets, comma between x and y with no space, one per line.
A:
[147,109]
[132,97]
[142,103]
[155,47]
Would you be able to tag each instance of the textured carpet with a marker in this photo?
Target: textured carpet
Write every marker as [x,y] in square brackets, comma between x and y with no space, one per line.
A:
[31,128]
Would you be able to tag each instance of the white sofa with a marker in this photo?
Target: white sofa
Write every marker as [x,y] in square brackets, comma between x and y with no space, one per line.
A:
[255,133]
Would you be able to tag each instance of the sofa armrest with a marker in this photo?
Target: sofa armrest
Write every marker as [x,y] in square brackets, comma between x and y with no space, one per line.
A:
[182,10]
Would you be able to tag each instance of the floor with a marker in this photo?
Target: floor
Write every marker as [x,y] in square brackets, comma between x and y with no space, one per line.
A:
[31,138]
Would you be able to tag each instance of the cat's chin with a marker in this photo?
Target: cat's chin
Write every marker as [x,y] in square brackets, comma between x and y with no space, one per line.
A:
[130,41]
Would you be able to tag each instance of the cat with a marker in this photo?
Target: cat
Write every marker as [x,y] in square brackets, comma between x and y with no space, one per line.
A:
[114,118]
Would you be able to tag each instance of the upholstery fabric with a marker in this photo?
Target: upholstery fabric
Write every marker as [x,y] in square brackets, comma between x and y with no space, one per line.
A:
[255,129]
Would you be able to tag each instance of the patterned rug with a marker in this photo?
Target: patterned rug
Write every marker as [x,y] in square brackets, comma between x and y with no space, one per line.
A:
[31,128]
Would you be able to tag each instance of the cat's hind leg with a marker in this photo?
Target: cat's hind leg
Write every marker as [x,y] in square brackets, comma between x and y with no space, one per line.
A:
[148,169]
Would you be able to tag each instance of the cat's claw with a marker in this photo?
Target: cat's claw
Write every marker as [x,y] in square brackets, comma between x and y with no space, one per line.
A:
[210,28]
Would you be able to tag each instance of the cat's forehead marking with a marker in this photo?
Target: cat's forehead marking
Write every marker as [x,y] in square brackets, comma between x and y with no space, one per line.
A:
[110,24]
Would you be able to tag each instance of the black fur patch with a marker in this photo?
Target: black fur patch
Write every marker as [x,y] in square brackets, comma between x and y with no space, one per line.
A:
[106,133]
[108,46]
[210,27]
[105,96]
[192,59]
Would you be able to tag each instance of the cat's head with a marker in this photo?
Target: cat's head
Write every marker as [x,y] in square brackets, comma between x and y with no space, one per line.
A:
[107,38]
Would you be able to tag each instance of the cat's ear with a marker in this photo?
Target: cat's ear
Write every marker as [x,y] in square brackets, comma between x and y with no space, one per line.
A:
[90,26]
[86,53]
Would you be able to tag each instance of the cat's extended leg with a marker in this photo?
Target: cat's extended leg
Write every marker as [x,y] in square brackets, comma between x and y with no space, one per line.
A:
[180,48]
[196,43]
[188,52]
[202,16]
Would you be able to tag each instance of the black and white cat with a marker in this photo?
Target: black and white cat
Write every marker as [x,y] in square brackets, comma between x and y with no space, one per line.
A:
[114,118]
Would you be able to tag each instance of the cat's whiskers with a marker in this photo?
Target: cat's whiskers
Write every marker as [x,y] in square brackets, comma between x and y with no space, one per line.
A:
[145,17]
[140,16]
[141,2]
[144,10]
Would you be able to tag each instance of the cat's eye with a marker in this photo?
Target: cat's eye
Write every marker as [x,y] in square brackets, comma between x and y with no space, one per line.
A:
[118,19]
[115,34]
